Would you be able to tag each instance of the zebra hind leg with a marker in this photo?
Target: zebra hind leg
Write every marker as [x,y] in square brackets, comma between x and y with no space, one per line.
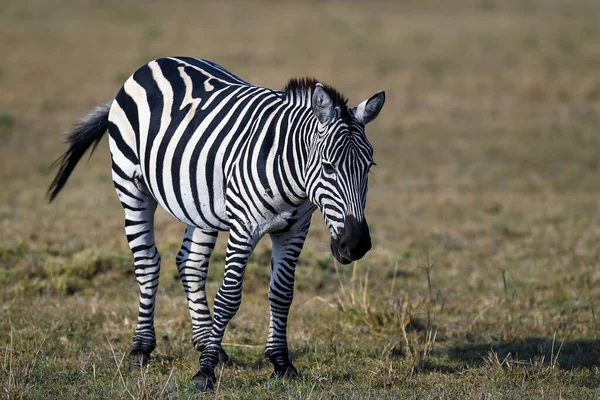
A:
[139,227]
[192,264]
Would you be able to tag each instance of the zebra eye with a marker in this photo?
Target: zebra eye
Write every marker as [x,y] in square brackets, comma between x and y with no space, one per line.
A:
[328,168]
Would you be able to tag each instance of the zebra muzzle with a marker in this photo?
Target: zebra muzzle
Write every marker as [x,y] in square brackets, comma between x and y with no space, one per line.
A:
[353,241]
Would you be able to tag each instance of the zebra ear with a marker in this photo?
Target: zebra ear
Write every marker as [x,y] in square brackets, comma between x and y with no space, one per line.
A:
[322,105]
[369,109]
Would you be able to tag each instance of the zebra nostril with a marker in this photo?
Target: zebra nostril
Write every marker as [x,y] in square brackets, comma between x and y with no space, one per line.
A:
[343,245]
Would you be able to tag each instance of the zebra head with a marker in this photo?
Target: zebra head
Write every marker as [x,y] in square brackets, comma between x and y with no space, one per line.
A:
[338,168]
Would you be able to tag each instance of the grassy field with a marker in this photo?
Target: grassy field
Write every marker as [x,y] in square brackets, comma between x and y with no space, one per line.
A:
[484,279]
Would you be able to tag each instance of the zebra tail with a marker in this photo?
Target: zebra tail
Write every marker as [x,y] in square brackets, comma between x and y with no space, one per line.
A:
[86,133]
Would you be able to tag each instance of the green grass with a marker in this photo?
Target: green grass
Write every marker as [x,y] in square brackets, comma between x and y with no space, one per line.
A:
[484,279]
[7,120]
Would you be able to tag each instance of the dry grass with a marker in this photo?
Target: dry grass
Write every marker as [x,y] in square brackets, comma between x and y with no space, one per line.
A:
[484,280]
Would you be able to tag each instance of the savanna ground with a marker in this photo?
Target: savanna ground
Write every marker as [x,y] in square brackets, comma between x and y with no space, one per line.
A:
[484,280]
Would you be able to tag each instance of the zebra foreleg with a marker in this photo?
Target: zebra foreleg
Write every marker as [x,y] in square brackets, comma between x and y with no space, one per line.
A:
[286,250]
[227,302]
[192,264]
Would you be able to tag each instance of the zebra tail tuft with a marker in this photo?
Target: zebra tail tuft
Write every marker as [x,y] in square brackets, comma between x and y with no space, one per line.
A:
[88,132]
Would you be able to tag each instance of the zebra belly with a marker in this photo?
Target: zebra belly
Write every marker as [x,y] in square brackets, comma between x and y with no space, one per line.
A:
[201,208]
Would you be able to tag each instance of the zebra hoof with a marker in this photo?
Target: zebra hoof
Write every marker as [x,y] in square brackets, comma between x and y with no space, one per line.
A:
[289,372]
[283,366]
[138,359]
[205,381]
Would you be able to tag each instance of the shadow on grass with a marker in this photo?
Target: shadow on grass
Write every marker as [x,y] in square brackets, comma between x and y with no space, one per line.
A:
[571,354]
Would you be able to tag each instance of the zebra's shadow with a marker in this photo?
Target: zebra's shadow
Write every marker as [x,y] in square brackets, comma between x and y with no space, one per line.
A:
[569,354]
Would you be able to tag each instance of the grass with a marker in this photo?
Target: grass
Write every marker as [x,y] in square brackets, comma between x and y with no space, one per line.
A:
[7,120]
[484,279]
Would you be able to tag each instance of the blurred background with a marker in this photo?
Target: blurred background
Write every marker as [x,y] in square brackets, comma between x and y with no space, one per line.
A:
[483,206]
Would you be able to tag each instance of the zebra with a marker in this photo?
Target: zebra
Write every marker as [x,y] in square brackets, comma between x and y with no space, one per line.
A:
[221,154]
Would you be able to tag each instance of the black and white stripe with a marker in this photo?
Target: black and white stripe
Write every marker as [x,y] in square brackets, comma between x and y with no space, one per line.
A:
[221,154]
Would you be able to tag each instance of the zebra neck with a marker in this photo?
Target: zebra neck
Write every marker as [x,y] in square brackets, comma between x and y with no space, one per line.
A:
[299,144]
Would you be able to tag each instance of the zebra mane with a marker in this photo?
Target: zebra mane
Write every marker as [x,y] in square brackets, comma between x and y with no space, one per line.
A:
[302,88]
